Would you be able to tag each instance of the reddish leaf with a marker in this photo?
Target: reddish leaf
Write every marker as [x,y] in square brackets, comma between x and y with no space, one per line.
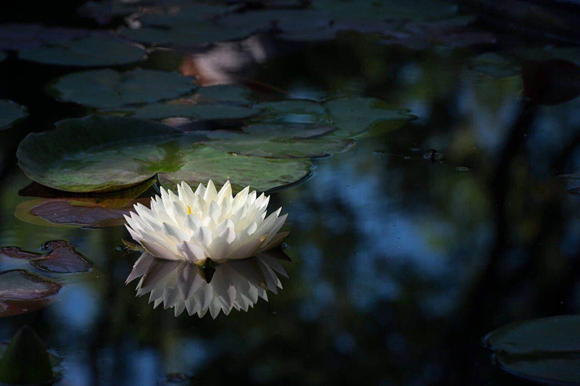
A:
[22,292]
[17,253]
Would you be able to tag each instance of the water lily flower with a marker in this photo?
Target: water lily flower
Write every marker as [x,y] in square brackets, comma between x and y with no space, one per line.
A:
[179,284]
[206,227]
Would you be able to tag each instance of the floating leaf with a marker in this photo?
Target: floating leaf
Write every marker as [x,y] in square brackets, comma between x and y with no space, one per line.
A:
[270,130]
[96,210]
[62,258]
[17,253]
[283,147]
[10,113]
[22,292]
[26,361]
[93,51]
[26,36]
[104,12]
[202,112]
[111,153]
[543,350]
[185,15]
[294,110]
[113,89]
[209,103]
[261,174]
[194,34]
[353,116]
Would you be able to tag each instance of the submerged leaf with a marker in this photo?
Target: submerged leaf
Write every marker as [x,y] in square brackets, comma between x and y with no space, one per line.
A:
[26,361]
[110,89]
[10,113]
[544,350]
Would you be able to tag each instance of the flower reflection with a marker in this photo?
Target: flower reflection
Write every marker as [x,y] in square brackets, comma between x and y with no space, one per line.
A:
[186,286]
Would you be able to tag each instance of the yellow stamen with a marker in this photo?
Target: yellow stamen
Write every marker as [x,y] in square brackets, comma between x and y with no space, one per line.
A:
[188,209]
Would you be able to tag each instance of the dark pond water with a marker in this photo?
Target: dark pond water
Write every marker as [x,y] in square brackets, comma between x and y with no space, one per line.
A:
[421,233]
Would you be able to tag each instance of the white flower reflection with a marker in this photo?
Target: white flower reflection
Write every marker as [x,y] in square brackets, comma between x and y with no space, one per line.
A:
[183,285]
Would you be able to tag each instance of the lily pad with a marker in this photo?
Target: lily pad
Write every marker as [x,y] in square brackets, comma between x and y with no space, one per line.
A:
[61,209]
[294,110]
[113,89]
[92,51]
[356,115]
[283,147]
[203,111]
[62,258]
[110,153]
[16,36]
[543,350]
[262,174]
[74,213]
[10,113]
[185,15]
[22,292]
[272,130]
[17,253]
[196,33]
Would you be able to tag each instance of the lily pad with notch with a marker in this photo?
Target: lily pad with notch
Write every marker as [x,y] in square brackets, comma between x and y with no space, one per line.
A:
[93,51]
[111,153]
[11,113]
[22,292]
[545,350]
[111,89]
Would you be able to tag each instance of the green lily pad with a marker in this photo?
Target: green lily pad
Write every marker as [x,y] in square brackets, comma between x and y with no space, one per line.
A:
[543,350]
[10,113]
[280,130]
[111,89]
[25,361]
[262,174]
[194,34]
[111,153]
[356,115]
[283,147]
[92,51]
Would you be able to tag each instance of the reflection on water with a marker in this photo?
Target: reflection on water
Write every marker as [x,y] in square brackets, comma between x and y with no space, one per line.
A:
[185,286]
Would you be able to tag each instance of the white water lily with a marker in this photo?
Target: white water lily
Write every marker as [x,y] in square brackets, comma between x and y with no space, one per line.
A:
[206,224]
[180,284]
